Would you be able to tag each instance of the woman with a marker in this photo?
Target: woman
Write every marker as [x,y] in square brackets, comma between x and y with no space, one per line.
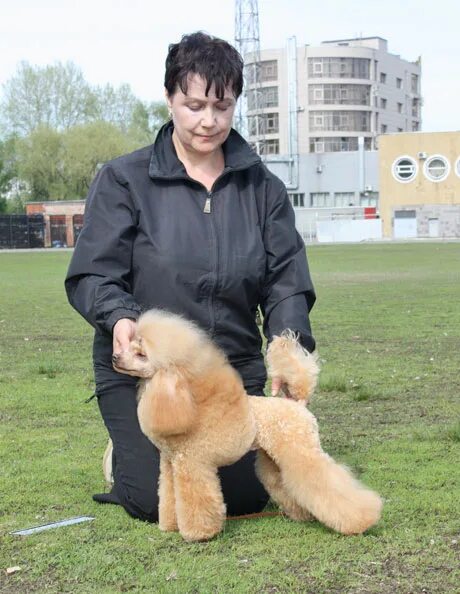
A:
[196,225]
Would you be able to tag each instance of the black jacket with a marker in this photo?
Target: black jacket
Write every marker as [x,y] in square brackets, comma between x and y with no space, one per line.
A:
[154,237]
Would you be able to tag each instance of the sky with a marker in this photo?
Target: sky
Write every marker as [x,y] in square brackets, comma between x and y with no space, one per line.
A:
[121,41]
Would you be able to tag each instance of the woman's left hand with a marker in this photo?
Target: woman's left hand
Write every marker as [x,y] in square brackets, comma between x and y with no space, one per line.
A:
[277,385]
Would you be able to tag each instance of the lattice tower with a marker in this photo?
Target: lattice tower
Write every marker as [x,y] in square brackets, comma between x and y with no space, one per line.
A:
[249,120]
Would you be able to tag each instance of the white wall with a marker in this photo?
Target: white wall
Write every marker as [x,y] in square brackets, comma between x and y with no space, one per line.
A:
[349,230]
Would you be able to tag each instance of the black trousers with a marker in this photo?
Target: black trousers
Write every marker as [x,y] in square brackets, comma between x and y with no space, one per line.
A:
[137,461]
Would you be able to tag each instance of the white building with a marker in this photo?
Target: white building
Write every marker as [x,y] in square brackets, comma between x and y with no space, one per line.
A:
[317,112]
[344,89]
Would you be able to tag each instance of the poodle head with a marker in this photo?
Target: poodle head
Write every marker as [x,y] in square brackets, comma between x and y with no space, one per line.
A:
[163,340]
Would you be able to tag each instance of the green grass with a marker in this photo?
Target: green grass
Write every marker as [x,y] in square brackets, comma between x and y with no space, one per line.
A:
[387,324]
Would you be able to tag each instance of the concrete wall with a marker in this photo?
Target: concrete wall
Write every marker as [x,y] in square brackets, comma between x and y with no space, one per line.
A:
[349,231]
[332,172]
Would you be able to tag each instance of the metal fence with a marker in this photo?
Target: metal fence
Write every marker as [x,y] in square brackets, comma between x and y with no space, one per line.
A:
[22,231]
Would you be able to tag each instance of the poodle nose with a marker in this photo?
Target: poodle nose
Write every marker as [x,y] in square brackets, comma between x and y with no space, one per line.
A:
[115,358]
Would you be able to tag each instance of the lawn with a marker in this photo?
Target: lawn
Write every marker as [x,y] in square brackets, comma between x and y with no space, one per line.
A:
[387,324]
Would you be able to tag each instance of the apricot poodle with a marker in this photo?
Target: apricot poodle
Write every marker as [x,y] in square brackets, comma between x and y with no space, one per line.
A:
[193,407]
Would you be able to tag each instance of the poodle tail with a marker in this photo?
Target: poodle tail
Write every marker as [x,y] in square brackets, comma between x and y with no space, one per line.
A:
[304,476]
[329,491]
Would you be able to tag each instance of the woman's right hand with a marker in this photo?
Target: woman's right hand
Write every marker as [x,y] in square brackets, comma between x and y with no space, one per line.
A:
[123,332]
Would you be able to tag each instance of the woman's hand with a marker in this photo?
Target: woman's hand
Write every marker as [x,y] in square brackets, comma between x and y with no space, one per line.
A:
[277,385]
[123,333]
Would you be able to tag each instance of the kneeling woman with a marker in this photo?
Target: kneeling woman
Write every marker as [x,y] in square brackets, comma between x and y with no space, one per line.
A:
[197,225]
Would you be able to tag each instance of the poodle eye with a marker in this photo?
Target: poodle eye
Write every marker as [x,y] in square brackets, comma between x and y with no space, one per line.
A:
[141,355]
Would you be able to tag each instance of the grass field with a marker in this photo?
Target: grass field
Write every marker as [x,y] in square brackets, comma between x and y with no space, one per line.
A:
[387,324]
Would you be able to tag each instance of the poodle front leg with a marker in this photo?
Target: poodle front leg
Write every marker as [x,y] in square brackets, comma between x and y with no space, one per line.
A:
[167,519]
[270,476]
[200,504]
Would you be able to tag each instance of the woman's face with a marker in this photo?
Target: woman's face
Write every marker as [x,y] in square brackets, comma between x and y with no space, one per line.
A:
[201,123]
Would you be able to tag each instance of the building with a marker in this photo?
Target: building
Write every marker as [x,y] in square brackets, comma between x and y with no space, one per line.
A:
[63,220]
[420,185]
[323,111]
[345,89]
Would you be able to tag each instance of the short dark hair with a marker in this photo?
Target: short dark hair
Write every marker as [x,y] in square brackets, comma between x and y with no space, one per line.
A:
[213,59]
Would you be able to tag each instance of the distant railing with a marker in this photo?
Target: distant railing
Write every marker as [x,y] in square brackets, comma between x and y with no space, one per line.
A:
[22,231]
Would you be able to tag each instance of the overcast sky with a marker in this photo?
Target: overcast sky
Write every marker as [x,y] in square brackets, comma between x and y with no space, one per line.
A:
[120,41]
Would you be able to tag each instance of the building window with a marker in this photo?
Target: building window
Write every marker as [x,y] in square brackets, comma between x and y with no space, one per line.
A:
[436,168]
[265,123]
[268,70]
[318,95]
[265,97]
[344,198]
[368,199]
[383,103]
[320,199]
[330,121]
[318,121]
[331,145]
[400,106]
[383,77]
[339,94]
[415,108]
[383,128]
[270,147]
[414,83]
[404,169]
[270,96]
[317,68]
[400,130]
[399,83]
[271,123]
[339,67]
[297,199]
[415,126]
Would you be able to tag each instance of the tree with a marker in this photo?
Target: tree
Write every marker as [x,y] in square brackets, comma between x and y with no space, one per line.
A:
[39,158]
[8,169]
[146,120]
[65,128]
[54,96]
[84,148]
[115,105]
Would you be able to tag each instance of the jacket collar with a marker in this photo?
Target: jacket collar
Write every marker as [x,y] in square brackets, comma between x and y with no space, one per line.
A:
[164,162]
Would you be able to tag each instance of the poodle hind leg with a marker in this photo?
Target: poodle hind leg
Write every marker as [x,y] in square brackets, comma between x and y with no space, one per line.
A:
[270,476]
[167,519]
[200,504]
[329,491]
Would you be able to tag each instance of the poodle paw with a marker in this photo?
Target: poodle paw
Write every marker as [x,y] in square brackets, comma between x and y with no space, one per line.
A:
[297,513]
[200,534]
[168,526]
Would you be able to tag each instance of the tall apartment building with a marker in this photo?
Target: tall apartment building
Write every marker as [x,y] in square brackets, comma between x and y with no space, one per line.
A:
[322,99]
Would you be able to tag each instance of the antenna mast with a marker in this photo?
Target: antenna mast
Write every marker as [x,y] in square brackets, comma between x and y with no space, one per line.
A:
[249,121]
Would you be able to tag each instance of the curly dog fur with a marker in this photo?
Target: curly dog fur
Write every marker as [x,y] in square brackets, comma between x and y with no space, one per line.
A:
[193,407]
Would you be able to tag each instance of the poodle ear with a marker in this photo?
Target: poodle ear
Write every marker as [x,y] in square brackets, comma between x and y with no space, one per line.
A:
[167,406]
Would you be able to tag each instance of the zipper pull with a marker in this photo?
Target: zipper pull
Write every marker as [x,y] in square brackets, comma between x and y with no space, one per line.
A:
[207,204]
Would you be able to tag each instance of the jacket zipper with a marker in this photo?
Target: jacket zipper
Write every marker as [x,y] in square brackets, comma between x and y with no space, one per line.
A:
[207,204]
[207,209]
